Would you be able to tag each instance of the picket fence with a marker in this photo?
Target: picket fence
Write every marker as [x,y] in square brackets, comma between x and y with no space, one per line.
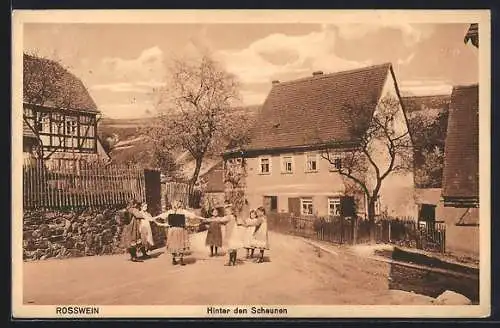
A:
[174,191]
[401,231]
[60,184]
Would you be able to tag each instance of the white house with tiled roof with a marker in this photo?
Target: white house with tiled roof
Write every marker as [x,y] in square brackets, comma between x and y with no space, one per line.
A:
[285,169]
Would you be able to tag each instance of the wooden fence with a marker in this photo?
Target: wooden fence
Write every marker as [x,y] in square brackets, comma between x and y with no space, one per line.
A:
[401,231]
[51,185]
[172,191]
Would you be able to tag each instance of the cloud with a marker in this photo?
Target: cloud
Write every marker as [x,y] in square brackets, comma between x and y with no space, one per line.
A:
[149,63]
[412,33]
[302,54]
[407,60]
[425,87]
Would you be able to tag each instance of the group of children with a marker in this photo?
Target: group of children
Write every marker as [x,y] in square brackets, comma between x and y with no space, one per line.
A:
[240,232]
[250,233]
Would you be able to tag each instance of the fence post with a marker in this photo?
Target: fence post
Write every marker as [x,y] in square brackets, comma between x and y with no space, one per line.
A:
[354,230]
[153,191]
[443,241]
[389,232]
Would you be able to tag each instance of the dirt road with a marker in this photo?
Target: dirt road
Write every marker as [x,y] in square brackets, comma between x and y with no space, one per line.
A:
[294,273]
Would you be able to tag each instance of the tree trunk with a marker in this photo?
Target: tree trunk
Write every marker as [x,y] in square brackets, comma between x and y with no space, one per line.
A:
[191,194]
[371,219]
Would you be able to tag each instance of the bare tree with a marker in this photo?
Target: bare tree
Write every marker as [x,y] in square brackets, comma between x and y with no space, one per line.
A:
[381,150]
[198,102]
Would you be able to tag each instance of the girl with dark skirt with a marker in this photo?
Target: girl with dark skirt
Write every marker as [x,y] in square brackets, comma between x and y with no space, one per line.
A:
[177,235]
[214,233]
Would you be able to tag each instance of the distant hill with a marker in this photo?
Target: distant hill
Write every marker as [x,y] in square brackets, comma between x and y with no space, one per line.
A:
[127,142]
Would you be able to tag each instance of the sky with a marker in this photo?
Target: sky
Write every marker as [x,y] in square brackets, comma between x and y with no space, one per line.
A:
[123,64]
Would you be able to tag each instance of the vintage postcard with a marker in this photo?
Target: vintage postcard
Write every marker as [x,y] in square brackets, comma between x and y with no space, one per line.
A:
[263,164]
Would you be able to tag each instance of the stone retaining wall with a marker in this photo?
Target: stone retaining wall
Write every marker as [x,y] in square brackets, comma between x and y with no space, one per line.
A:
[63,234]
[60,234]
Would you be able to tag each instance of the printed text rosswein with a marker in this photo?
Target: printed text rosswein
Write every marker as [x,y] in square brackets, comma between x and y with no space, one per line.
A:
[88,310]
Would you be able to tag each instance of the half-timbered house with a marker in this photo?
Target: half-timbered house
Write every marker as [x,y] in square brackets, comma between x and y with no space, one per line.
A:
[59,116]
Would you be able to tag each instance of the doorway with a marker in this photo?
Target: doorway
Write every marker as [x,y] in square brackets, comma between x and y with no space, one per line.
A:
[271,204]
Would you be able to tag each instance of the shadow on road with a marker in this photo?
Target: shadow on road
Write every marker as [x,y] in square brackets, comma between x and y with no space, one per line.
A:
[253,260]
[189,260]
[152,256]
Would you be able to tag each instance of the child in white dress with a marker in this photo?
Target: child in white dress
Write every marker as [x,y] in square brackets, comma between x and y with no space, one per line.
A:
[251,222]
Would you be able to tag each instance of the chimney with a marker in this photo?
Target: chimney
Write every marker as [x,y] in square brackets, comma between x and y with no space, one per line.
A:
[276,81]
[316,73]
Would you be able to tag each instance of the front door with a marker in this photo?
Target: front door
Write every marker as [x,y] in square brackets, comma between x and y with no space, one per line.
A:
[270,204]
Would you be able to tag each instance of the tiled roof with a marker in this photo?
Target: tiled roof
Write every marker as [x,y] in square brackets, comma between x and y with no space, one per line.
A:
[27,131]
[461,164]
[311,110]
[67,84]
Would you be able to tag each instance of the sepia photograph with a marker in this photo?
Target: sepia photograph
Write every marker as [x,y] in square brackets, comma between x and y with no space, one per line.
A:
[265,164]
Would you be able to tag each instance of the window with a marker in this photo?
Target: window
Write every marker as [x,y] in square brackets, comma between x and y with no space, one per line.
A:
[265,165]
[28,112]
[333,206]
[71,127]
[306,205]
[337,163]
[311,163]
[85,119]
[45,124]
[287,164]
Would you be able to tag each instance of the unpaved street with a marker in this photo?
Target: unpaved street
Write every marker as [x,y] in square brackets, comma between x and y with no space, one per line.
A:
[295,273]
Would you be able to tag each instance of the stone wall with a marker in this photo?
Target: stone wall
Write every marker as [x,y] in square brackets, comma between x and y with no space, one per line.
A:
[63,234]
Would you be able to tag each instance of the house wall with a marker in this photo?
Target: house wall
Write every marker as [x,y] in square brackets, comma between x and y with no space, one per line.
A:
[101,153]
[396,194]
[460,240]
[318,185]
[58,155]
[397,190]
[212,199]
